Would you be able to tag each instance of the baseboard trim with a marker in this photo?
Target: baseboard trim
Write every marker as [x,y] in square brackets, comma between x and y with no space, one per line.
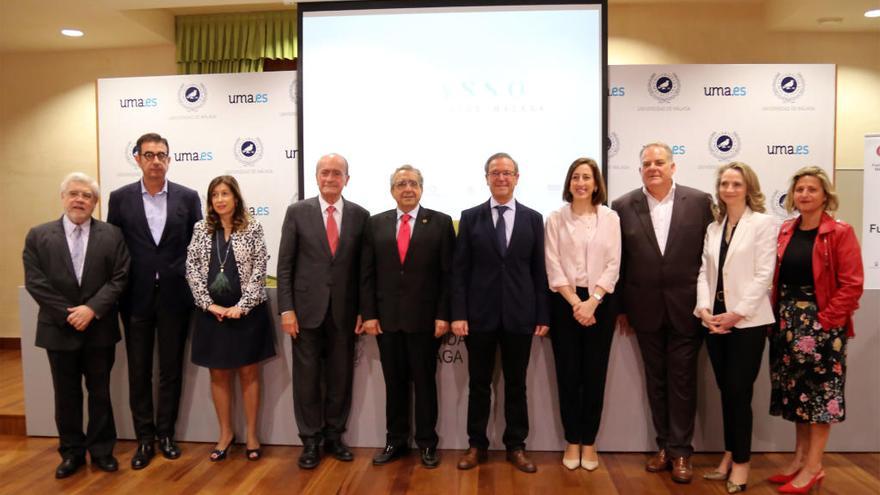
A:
[10,343]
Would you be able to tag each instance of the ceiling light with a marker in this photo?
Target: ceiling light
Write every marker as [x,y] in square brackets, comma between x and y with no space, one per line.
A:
[73,33]
[872,13]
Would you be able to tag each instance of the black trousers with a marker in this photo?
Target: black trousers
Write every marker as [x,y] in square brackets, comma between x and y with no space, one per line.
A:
[581,356]
[169,330]
[670,358]
[736,360]
[68,370]
[323,370]
[515,352]
[410,357]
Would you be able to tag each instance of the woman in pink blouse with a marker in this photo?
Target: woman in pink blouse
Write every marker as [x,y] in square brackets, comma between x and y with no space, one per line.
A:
[582,251]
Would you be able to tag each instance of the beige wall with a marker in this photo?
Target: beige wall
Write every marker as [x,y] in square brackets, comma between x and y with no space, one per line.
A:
[48,127]
[48,117]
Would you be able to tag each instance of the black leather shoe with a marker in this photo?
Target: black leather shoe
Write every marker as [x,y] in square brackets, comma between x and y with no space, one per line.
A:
[169,449]
[68,466]
[338,450]
[310,457]
[106,463]
[143,455]
[390,453]
[430,457]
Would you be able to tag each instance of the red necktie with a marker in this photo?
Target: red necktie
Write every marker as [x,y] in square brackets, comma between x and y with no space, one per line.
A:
[332,230]
[403,236]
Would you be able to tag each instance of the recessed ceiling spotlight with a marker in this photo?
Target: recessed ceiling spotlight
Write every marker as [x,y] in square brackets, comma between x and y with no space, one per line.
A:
[872,13]
[73,33]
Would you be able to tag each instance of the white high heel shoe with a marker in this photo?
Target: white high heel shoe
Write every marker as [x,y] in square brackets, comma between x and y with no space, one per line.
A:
[571,464]
[589,465]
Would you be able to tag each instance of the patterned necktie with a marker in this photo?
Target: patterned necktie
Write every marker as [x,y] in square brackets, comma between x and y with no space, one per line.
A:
[77,253]
[332,230]
[501,230]
[403,235]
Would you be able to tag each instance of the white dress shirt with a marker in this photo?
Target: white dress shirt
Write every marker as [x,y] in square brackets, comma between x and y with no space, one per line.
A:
[68,234]
[337,215]
[509,215]
[412,220]
[661,215]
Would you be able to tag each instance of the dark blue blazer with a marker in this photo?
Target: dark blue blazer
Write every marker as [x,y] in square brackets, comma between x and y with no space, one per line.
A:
[492,292]
[168,258]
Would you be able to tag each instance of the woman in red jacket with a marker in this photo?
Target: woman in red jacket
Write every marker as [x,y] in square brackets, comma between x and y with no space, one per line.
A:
[816,289]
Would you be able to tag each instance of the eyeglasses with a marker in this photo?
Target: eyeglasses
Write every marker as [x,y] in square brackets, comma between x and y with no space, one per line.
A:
[401,184]
[86,195]
[149,155]
[504,173]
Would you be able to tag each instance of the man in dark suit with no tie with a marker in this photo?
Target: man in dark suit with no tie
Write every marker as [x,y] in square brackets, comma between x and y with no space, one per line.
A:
[318,288]
[499,299]
[156,217]
[76,269]
[662,226]
[406,269]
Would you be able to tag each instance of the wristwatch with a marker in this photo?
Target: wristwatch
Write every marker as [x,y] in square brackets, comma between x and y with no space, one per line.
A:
[596,297]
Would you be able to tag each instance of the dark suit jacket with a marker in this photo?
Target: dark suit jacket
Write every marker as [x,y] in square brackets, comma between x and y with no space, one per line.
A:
[51,280]
[410,296]
[651,283]
[309,277]
[493,292]
[168,259]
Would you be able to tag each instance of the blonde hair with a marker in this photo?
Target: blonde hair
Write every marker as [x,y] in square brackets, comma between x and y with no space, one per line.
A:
[754,196]
[831,201]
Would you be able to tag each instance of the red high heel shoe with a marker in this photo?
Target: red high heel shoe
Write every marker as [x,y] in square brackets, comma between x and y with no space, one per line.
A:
[781,479]
[815,480]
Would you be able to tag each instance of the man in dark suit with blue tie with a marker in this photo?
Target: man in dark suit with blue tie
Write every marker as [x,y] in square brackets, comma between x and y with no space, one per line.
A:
[406,276]
[499,299]
[318,289]
[76,269]
[156,217]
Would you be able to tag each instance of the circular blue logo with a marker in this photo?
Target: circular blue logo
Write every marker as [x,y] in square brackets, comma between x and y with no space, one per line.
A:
[193,94]
[724,143]
[248,148]
[788,84]
[664,84]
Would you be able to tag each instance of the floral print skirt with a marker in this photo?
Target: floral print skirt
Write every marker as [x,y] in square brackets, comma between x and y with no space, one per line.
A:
[807,362]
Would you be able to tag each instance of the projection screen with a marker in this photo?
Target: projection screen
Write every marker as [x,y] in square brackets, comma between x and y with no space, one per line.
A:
[442,87]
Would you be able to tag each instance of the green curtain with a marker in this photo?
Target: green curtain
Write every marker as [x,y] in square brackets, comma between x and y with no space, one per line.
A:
[218,43]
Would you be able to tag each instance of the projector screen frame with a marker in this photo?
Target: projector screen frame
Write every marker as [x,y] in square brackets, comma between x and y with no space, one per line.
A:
[415,4]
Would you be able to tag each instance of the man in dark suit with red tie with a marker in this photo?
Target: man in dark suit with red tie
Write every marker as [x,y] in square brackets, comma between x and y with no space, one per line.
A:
[406,269]
[76,268]
[499,299]
[318,275]
[662,227]
[156,217]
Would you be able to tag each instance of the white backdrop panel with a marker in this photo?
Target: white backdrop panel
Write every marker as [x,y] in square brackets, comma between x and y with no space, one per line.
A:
[242,125]
[776,118]
[871,213]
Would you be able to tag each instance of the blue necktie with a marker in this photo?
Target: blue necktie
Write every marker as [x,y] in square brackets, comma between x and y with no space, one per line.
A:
[501,230]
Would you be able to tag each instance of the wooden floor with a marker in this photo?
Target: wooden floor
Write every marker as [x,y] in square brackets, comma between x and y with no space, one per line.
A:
[27,466]
[11,393]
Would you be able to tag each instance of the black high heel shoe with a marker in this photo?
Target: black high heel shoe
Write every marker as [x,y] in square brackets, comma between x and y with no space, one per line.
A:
[254,454]
[220,454]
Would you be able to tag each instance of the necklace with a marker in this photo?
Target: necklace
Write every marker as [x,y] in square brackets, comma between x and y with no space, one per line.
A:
[221,281]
